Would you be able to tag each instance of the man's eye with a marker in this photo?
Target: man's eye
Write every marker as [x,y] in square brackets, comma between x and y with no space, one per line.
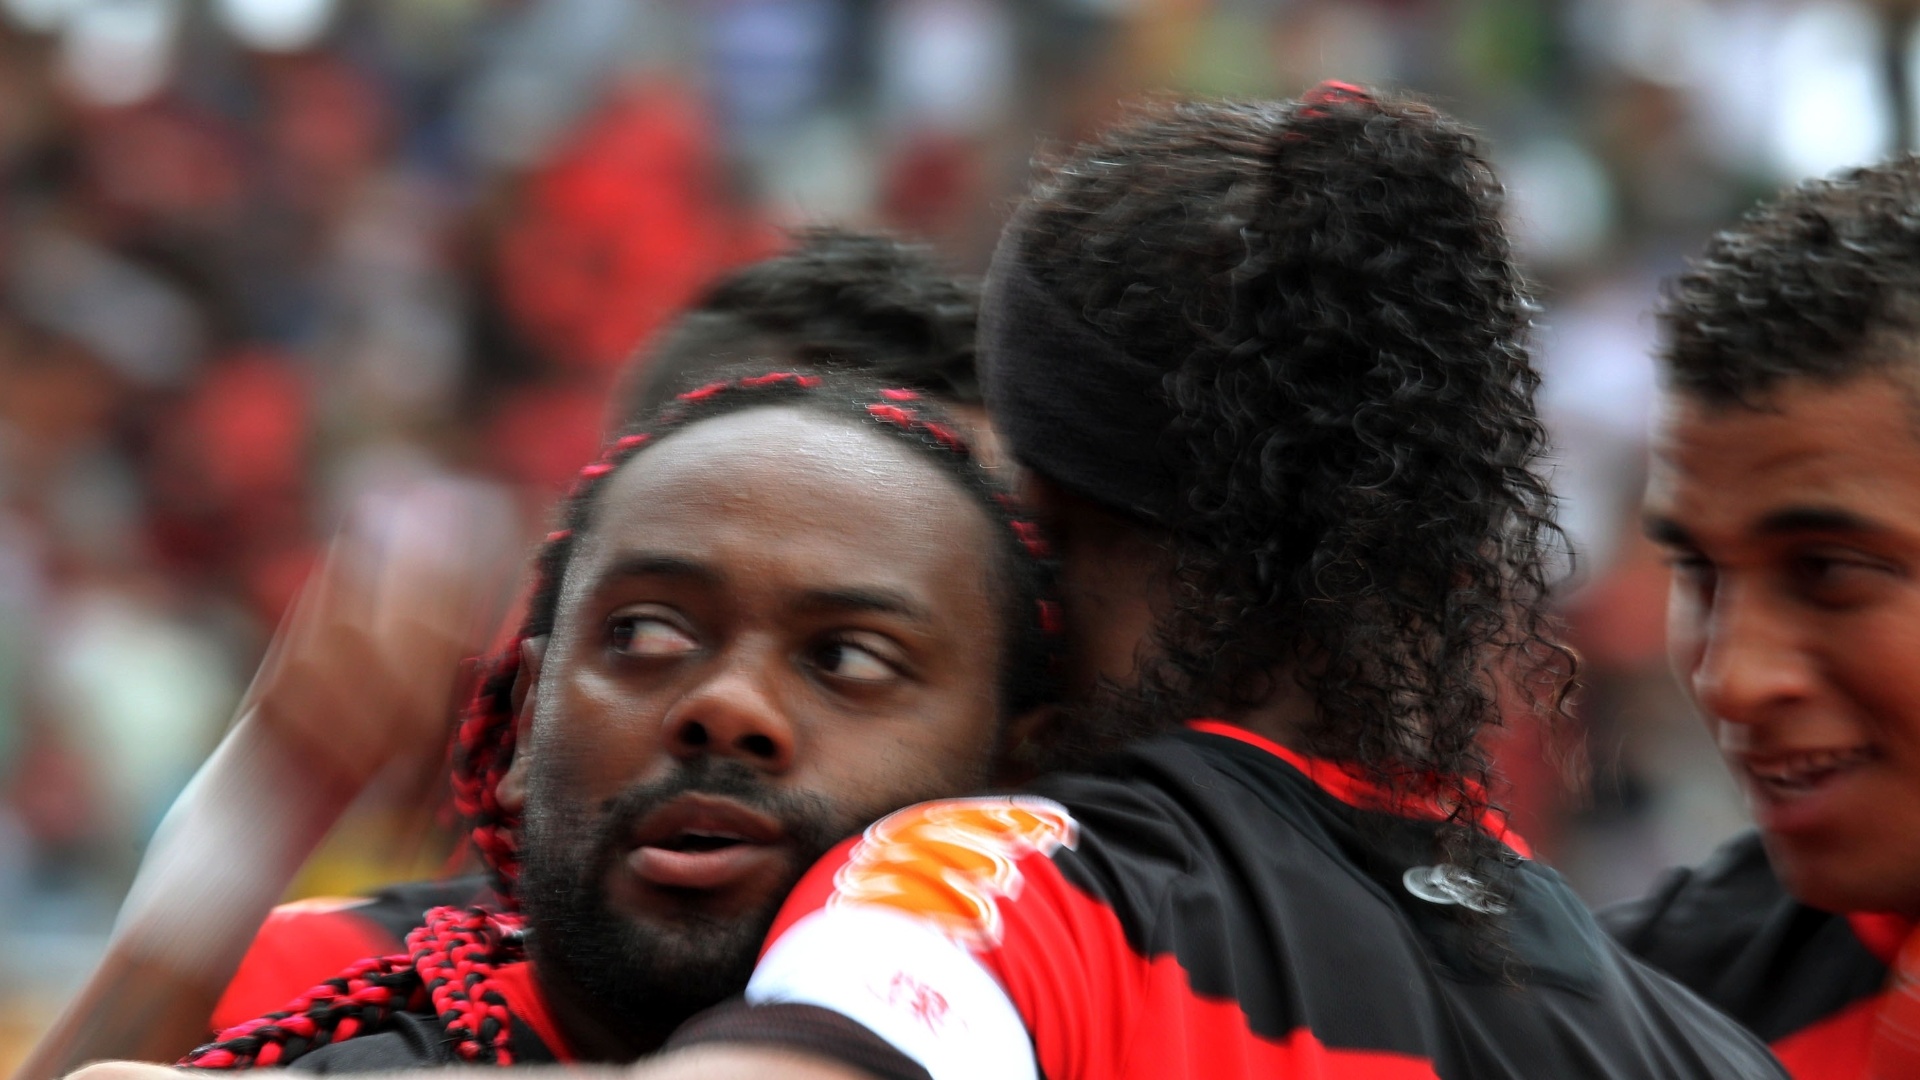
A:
[1839,579]
[853,661]
[1692,568]
[638,634]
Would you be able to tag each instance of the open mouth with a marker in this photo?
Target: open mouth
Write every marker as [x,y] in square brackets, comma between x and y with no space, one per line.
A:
[1788,775]
[692,840]
[704,842]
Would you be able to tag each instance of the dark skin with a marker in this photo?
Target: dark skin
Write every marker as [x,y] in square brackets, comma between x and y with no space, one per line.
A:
[778,590]
[1113,575]
[1111,571]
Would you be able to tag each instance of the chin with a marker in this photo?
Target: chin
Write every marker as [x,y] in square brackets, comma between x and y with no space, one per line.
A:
[1831,880]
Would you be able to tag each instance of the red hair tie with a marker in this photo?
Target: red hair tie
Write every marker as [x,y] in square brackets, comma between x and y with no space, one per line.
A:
[1332,93]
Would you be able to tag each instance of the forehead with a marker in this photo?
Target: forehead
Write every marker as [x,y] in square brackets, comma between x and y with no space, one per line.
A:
[1852,448]
[790,497]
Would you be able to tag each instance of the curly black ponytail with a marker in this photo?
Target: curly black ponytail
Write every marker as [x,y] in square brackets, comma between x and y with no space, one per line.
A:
[1338,326]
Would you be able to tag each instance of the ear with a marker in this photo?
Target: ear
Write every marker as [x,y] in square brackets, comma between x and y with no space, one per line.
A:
[1026,748]
[512,791]
[1042,498]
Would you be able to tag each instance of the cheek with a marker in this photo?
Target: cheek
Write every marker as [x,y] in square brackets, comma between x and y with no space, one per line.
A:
[598,739]
[894,765]
[1686,640]
[1876,663]
[1686,632]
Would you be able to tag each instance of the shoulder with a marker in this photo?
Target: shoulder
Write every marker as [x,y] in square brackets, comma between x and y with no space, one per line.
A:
[1693,1037]
[1712,905]
[298,946]
[1730,932]
[1117,838]
[398,909]
[305,942]
[953,863]
[415,1040]
[409,1041]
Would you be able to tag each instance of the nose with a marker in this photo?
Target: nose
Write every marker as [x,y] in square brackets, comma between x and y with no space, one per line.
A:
[734,712]
[1751,661]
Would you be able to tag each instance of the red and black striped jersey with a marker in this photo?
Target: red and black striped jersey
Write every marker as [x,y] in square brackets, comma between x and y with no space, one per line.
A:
[418,1040]
[302,943]
[1807,981]
[1209,904]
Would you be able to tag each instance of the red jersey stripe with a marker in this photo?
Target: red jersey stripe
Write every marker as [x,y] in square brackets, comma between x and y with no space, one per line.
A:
[1344,783]
[299,946]
[1833,1049]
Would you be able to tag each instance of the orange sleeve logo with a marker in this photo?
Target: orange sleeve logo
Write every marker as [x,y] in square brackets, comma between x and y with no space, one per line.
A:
[951,862]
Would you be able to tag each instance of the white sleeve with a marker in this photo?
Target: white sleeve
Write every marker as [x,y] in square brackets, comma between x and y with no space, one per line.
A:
[905,981]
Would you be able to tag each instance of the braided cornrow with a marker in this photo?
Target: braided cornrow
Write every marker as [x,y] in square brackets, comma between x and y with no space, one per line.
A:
[449,961]
[446,964]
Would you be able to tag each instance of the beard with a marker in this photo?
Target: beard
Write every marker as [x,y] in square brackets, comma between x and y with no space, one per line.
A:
[649,977]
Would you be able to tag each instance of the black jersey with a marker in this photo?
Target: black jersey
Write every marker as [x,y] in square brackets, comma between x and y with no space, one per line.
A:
[1807,981]
[1213,905]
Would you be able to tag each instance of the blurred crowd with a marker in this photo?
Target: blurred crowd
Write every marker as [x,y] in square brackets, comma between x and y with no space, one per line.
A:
[264,263]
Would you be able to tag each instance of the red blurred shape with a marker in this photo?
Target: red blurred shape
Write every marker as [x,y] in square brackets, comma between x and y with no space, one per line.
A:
[540,437]
[163,161]
[622,229]
[327,126]
[250,423]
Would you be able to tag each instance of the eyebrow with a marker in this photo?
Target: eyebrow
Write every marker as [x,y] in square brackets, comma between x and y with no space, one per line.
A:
[853,599]
[1801,519]
[660,566]
[1784,522]
[879,600]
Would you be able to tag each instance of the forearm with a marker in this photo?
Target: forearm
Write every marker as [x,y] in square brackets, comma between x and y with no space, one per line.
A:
[130,1008]
[742,1063]
[699,1063]
[224,855]
[358,677]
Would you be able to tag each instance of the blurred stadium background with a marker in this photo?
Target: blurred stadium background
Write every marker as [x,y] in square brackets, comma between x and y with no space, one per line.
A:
[261,259]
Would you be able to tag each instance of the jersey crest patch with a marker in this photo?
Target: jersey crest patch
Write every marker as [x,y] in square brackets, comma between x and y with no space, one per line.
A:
[951,862]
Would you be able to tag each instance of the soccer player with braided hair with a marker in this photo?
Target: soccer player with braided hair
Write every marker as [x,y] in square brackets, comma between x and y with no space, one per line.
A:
[1264,364]
[786,606]
[369,656]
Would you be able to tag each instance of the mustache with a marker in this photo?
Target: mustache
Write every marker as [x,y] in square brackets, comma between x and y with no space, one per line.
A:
[809,820]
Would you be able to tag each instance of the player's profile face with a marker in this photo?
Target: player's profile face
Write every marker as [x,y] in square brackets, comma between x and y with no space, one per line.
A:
[1793,529]
[778,627]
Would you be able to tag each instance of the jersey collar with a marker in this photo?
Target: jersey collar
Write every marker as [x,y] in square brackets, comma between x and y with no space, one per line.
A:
[1347,784]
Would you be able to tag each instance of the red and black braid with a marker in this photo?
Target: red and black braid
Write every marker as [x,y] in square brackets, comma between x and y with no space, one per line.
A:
[450,960]
[446,965]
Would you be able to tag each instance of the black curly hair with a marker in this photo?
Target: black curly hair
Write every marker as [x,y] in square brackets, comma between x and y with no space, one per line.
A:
[1809,285]
[1351,443]
[839,298]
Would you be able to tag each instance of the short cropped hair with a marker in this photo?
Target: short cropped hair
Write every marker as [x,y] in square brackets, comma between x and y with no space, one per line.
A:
[838,299]
[1807,286]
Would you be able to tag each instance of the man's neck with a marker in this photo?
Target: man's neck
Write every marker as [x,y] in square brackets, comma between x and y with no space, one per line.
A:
[590,1035]
[1281,716]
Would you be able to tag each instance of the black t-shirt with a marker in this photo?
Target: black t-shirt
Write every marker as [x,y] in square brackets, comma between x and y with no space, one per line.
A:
[1211,905]
[1802,979]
